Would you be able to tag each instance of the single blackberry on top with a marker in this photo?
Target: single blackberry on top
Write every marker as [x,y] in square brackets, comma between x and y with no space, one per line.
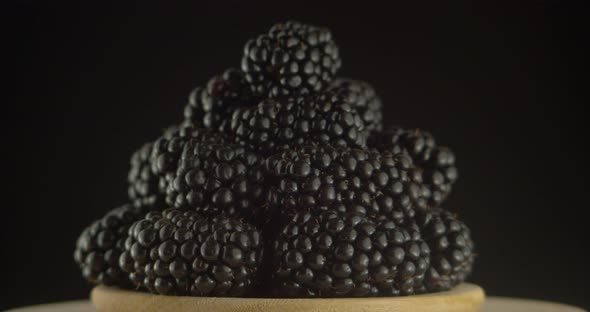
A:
[339,255]
[275,124]
[360,182]
[291,59]
[100,244]
[212,106]
[363,97]
[437,163]
[183,253]
[451,248]
[215,178]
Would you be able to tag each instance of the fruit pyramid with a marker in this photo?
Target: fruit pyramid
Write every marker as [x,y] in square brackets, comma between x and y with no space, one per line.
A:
[282,181]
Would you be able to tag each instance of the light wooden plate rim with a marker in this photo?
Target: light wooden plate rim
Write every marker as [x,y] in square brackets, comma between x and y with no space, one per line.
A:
[463,298]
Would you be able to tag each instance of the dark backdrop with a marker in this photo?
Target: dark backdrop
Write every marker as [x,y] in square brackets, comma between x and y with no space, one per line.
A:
[90,83]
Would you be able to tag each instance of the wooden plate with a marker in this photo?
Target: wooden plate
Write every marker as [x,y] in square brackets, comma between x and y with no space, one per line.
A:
[463,298]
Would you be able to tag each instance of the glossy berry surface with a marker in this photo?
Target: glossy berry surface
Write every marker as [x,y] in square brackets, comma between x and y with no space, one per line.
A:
[355,181]
[363,97]
[100,244]
[214,178]
[339,255]
[452,249]
[210,106]
[291,59]
[181,253]
[436,163]
[326,118]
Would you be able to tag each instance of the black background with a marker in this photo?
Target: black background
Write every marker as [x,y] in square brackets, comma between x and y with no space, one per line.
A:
[90,83]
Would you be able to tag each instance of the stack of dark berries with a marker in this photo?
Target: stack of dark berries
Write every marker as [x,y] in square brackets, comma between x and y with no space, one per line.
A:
[282,181]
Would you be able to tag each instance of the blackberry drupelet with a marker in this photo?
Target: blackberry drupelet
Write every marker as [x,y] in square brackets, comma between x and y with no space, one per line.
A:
[215,178]
[324,118]
[212,106]
[100,244]
[437,163]
[182,253]
[364,98]
[451,248]
[292,59]
[360,182]
[339,255]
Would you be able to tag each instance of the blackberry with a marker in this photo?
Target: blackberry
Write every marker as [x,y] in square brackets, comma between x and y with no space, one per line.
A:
[167,151]
[100,244]
[437,163]
[214,178]
[142,182]
[336,255]
[325,118]
[183,253]
[363,97]
[211,107]
[360,182]
[451,246]
[292,59]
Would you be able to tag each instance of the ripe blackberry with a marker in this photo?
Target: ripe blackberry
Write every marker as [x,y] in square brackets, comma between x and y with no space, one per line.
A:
[359,182]
[214,178]
[142,182]
[182,253]
[437,163]
[211,106]
[315,179]
[363,97]
[292,59]
[325,118]
[167,151]
[451,248]
[100,244]
[337,255]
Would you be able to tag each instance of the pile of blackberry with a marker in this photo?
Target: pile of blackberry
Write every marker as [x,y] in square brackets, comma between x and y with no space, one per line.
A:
[282,181]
